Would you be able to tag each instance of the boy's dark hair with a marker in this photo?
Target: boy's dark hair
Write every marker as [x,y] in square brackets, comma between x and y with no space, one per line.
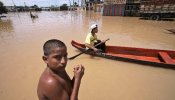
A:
[51,44]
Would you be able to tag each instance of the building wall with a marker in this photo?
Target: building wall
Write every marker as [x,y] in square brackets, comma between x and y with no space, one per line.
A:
[157,6]
[93,4]
[121,7]
[10,8]
[157,2]
[114,10]
[132,9]
[133,1]
[114,1]
[120,1]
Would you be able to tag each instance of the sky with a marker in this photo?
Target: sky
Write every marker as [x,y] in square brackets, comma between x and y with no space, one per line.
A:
[40,3]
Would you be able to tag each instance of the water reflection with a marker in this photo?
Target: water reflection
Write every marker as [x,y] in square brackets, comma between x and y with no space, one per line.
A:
[34,20]
[6,28]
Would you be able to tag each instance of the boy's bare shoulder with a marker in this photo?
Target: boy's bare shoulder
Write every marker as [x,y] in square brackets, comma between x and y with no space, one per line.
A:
[49,80]
[51,87]
[49,84]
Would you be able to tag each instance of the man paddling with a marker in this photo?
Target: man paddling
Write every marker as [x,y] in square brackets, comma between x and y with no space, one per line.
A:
[92,40]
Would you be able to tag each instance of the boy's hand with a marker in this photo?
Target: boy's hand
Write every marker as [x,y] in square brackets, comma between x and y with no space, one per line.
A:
[78,72]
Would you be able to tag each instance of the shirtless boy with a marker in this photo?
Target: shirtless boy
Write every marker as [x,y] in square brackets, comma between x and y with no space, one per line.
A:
[54,83]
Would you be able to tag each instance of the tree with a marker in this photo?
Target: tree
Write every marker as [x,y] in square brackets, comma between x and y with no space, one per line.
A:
[36,8]
[2,8]
[75,4]
[64,7]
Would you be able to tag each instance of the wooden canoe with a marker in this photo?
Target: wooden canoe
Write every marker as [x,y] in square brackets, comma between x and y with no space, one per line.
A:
[155,57]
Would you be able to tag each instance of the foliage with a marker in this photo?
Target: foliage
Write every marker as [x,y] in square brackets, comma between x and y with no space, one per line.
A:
[36,8]
[64,7]
[75,4]
[2,8]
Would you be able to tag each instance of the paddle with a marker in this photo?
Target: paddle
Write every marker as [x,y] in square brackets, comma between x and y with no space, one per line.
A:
[171,30]
[86,50]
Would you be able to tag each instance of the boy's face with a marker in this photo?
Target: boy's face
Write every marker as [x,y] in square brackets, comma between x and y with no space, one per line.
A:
[57,60]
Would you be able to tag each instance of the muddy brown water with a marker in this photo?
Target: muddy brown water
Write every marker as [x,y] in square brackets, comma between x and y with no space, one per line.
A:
[21,41]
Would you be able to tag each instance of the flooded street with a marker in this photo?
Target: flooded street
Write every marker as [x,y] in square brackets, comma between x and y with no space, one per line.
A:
[21,41]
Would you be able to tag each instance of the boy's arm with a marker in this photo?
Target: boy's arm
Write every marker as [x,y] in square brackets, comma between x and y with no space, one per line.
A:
[78,74]
[75,90]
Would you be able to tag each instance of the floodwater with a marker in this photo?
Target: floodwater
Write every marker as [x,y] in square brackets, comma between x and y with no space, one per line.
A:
[21,41]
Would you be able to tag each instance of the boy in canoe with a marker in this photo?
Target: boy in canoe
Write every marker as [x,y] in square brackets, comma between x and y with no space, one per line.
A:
[54,83]
[92,40]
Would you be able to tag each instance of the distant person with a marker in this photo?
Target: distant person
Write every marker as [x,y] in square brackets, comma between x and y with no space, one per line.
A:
[54,83]
[92,40]
[33,16]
